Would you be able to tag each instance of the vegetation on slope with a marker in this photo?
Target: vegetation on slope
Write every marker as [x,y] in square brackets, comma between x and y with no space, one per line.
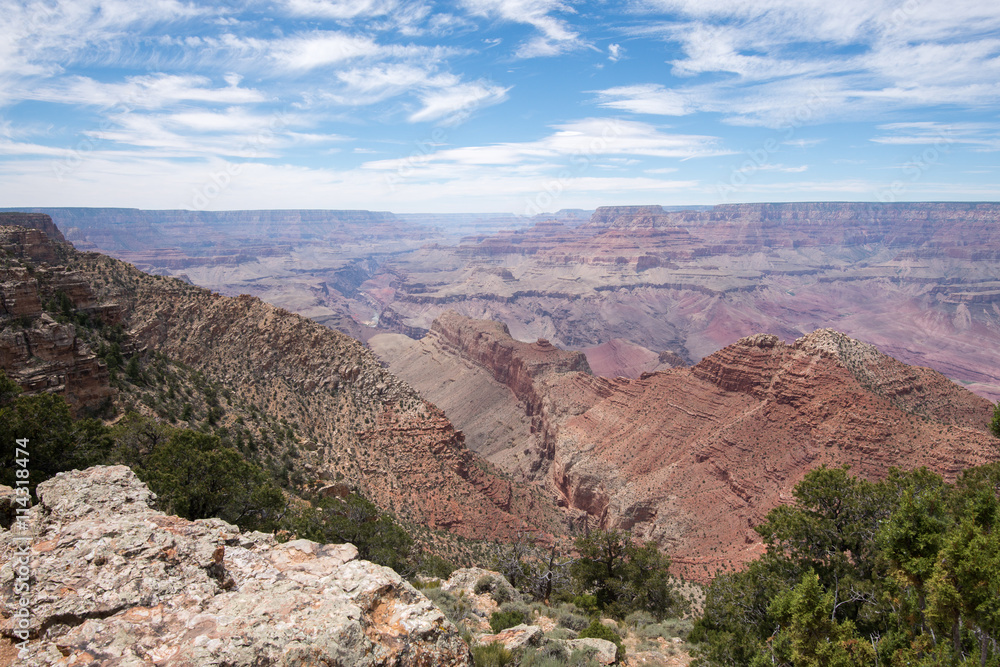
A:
[905,571]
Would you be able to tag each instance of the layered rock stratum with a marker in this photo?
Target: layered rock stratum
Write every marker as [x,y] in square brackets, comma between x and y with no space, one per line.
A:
[117,583]
[919,280]
[353,420]
[695,457]
[38,352]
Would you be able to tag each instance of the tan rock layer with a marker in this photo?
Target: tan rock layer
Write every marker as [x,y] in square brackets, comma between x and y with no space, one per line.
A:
[116,583]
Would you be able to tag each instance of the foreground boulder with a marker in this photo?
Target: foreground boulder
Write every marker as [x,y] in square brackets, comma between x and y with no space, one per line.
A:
[117,583]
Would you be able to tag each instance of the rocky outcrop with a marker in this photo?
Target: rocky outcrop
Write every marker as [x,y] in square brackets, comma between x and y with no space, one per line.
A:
[605,652]
[694,458]
[26,243]
[38,352]
[517,638]
[48,356]
[527,369]
[117,583]
[38,221]
[465,580]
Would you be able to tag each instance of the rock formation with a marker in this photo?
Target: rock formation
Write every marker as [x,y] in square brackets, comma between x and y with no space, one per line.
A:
[365,426]
[118,583]
[695,457]
[355,421]
[38,352]
[506,395]
[915,279]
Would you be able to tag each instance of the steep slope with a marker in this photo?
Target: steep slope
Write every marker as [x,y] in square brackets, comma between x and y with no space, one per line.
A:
[354,420]
[366,425]
[695,457]
[509,395]
[622,358]
[38,352]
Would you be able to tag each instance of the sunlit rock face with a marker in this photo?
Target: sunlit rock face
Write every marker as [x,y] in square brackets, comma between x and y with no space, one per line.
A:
[118,583]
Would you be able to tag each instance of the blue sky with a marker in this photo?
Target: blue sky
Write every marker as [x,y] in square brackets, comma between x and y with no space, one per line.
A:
[523,106]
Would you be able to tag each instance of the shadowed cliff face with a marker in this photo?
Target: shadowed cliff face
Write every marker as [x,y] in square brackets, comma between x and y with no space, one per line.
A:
[36,351]
[695,457]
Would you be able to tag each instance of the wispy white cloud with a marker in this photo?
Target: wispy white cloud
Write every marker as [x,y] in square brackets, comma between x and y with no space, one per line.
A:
[981,136]
[583,139]
[556,36]
[644,98]
[321,48]
[867,57]
[458,101]
[151,91]
[803,143]
[340,9]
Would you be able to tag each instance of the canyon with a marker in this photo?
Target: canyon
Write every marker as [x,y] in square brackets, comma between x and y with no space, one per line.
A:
[466,423]
[350,418]
[918,280]
[693,457]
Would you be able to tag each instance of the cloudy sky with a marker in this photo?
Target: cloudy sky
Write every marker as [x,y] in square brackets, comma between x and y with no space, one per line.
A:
[496,105]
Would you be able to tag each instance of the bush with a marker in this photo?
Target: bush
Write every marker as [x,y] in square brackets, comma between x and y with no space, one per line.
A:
[587,604]
[561,633]
[433,565]
[492,655]
[483,585]
[638,619]
[574,622]
[550,655]
[56,441]
[501,620]
[597,630]
[196,477]
[456,608]
[624,576]
[675,627]
[356,520]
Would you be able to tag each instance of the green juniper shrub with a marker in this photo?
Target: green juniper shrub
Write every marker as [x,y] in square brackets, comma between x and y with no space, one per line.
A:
[433,565]
[56,441]
[587,604]
[195,477]
[356,520]
[893,572]
[501,620]
[483,584]
[624,576]
[598,630]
